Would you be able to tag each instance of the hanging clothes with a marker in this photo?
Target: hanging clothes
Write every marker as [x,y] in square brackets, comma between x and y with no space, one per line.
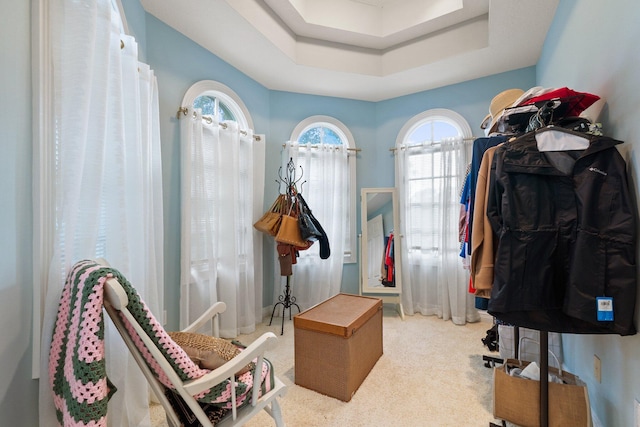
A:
[482,237]
[463,221]
[389,273]
[566,230]
[480,146]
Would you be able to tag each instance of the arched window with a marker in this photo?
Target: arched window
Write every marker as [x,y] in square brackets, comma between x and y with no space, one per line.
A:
[432,157]
[432,126]
[210,105]
[218,102]
[433,151]
[328,130]
[222,192]
[322,133]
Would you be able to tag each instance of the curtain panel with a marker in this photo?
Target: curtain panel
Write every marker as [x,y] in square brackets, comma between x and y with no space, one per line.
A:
[430,178]
[222,196]
[108,181]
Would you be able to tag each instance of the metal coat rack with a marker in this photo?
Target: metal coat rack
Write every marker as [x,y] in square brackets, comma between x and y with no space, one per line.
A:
[290,181]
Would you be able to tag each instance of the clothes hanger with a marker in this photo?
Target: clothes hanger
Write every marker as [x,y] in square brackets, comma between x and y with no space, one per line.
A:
[556,138]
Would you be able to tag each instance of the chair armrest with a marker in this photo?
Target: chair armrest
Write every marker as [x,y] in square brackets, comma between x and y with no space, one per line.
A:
[214,310]
[257,348]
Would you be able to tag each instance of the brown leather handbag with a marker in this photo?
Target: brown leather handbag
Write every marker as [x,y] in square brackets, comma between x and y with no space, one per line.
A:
[270,222]
[289,231]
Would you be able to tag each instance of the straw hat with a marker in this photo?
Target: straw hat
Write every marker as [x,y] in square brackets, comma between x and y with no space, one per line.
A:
[498,104]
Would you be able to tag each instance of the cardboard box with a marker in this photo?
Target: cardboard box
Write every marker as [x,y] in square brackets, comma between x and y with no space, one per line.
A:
[337,343]
[517,400]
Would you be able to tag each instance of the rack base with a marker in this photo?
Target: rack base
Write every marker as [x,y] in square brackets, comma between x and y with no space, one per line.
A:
[287,301]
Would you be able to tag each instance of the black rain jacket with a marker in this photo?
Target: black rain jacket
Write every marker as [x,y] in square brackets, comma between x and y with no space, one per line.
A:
[566,229]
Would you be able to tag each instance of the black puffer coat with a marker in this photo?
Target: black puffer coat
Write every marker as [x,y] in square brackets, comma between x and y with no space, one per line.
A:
[566,229]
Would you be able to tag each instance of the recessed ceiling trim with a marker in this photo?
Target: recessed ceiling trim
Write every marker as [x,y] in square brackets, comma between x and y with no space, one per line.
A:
[469,36]
[465,37]
[351,23]
[248,35]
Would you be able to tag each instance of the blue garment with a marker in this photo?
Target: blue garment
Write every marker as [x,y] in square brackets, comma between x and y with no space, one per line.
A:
[465,197]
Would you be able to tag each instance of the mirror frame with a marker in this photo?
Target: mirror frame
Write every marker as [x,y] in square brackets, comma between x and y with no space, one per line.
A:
[364,250]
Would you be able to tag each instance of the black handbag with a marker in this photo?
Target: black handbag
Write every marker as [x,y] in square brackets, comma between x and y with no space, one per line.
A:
[323,240]
[308,229]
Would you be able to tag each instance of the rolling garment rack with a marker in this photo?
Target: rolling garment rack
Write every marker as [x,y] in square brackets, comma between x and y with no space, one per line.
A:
[541,119]
[289,180]
[544,120]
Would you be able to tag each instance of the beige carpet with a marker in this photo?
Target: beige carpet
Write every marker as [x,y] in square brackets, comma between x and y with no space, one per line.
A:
[431,374]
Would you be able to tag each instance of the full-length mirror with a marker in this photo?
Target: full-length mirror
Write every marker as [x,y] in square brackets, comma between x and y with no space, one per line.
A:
[380,263]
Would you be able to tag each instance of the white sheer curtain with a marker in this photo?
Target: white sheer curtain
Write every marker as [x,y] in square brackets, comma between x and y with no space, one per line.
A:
[108,192]
[222,196]
[430,178]
[324,169]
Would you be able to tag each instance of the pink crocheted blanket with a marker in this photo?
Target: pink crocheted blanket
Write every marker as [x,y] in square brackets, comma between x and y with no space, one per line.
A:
[77,369]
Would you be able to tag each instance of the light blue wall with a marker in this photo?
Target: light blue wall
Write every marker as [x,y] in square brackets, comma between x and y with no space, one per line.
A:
[593,47]
[18,392]
[178,63]
[135,17]
[470,99]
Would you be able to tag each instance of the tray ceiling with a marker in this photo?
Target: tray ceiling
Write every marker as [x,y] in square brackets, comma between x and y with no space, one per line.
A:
[363,49]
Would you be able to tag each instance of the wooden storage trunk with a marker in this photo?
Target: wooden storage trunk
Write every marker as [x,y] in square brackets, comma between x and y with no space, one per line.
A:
[337,343]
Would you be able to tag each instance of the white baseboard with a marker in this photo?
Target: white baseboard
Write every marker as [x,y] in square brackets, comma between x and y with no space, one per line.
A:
[595,420]
[266,312]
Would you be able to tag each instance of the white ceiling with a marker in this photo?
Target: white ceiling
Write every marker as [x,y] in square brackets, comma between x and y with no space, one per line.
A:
[363,49]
